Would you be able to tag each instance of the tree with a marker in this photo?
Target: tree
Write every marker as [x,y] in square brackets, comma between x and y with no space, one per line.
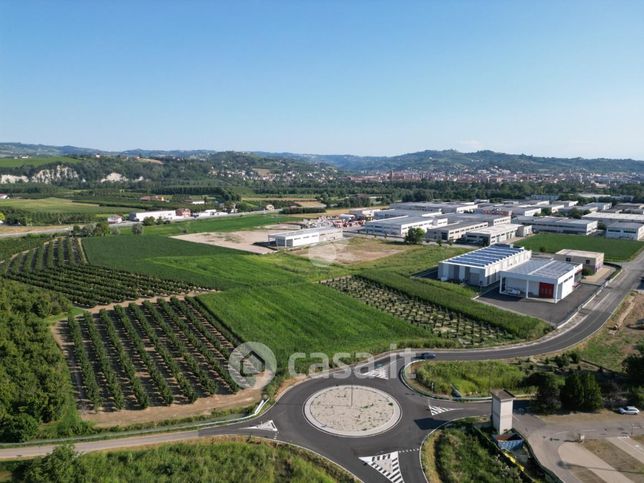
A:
[56,467]
[149,221]
[137,229]
[547,398]
[634,366]
[415,236]
[581,392]
[21,427]
[101,229]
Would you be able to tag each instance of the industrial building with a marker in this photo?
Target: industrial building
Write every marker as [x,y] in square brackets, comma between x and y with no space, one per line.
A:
[157,215]
[626,231]
[556,224]
[492,220]
[482,267]
[590,261]
[490,235]
[399,226]
[454,231]
[442,207]
[540,278]
[304,237]
[610,218]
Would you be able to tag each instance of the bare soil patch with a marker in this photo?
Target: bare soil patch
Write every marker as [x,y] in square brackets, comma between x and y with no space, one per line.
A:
[352,250]
[245,240]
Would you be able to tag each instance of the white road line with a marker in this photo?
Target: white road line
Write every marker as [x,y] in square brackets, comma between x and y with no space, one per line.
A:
[265,426]
[380,373]
[388,465]
[438,410]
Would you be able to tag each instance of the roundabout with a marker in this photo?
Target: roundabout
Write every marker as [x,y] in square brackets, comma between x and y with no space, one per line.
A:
[352,411]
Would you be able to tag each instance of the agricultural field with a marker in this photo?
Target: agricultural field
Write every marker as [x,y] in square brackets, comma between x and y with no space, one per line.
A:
[203,265]
[309,318]
[469,379]
[614,250]
[37,161]
[60,206]
[11,246]
[461,453]
[222,223]
[60,265]
[152,354]
[216,459]
[414,260]
[438,320]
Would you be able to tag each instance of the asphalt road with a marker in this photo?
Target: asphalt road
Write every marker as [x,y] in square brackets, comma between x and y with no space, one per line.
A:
[417,421]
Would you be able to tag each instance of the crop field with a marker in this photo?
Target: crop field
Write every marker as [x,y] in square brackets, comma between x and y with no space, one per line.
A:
[439,321]
[11,246]
[36,161]
[60,265]
[223,223]
[614,250]
[415,260]
[309,318]
[60,205]
[147,355]
[203,265]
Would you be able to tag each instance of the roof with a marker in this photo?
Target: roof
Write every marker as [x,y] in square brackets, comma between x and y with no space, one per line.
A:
[543,267]
[494,230]
[486,256]
[303,231]
[502,394]
[460,224]
[402,220]
[553,220]
[579,253]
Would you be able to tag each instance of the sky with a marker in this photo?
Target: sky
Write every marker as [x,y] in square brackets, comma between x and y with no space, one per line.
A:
[548,77]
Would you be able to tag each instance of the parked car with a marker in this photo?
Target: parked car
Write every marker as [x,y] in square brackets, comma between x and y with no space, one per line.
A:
[630,410]
[427,355]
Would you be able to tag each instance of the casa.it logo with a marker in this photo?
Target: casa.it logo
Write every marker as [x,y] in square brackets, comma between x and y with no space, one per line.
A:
[252,364]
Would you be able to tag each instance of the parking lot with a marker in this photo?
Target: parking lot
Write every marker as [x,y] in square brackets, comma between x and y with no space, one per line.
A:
[553,313]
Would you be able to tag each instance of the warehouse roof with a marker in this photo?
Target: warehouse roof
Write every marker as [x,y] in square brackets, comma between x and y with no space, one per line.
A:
[578,253]
[486,256]
[619,226]
[305,231]
[541,267]
[554,220]
[401,220]
[495,230]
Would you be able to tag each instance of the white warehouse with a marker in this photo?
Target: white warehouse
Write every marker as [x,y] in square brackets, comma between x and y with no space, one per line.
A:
[304,237]
[541,278]
[627,231]
[157,215]
[482,267]
[490,235]
[399,226]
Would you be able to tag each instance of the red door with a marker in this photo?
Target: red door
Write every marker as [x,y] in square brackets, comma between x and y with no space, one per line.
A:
[546,290]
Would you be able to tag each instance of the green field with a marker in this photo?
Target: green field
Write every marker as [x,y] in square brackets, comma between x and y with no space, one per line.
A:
[224,223]
[614,250]
[59,205]
[469,378]
[416,260]
[234,459]
[309,318]
[11,246]
[36,161]
[460,453]
[205,265]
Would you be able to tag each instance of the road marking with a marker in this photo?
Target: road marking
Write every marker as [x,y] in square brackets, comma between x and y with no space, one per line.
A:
[380,373]
[387,465]
[438,410]
[266,426]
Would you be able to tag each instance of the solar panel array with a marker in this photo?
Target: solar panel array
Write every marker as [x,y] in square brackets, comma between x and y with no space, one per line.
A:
[486,256]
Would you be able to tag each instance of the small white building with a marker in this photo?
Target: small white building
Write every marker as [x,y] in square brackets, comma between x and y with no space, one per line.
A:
[541,278]
[590,261]
[157,215]
[502,408]
[482,267]
[304,237]
[364,213]
[625,231]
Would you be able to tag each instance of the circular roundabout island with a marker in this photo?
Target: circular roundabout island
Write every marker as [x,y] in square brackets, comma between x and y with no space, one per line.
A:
[352,411]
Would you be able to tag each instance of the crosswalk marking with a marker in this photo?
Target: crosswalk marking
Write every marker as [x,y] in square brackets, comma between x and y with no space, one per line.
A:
[265,426]
[380,373]
[388,465]
[438,410]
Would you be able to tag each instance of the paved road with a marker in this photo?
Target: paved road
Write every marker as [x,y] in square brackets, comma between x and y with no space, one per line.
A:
[286,422]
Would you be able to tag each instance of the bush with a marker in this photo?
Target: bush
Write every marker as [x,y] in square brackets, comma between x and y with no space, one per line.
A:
[547,399]
[21,427]
[581,392]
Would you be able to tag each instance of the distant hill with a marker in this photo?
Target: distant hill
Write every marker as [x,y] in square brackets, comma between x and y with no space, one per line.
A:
[430,160]
[456,161]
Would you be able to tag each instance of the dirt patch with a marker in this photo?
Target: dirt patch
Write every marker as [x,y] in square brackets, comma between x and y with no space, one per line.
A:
[245,240]
[201,407]
[351,250]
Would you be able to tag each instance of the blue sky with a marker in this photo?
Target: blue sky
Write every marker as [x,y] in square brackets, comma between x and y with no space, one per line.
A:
[363,77]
